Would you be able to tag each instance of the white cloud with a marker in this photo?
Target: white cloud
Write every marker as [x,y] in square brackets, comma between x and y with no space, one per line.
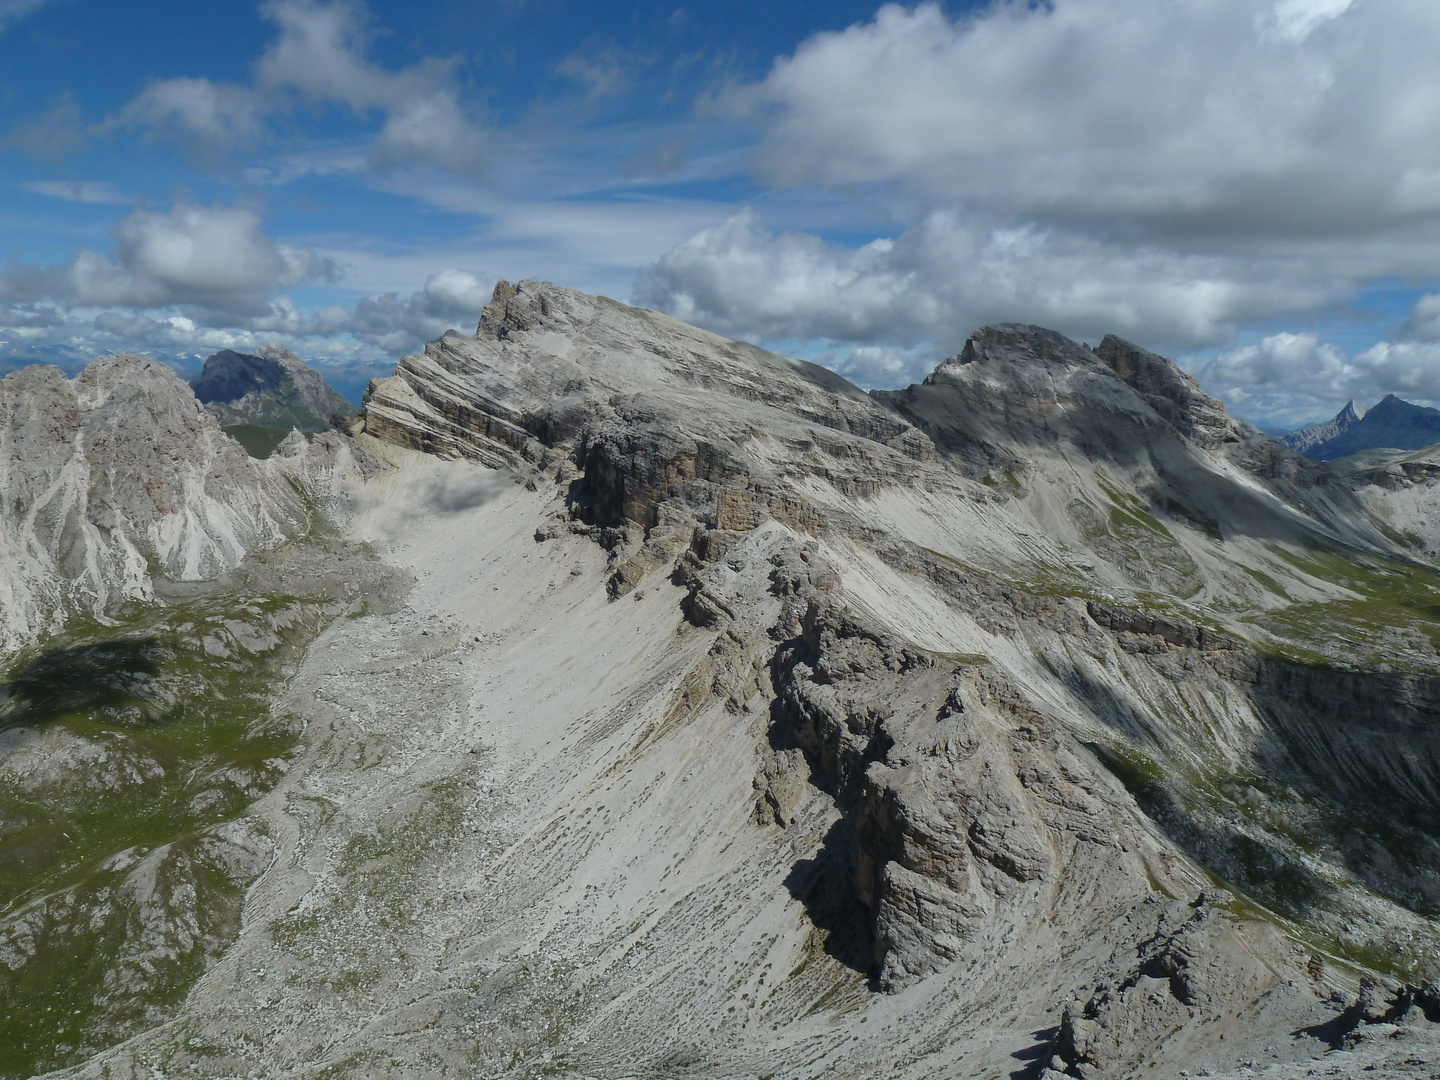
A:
[1293,378]
[1160,119]
[215,258]
[429,129]
[1171,172]
[214,116]
[189,283]
[451,299]
[1410,369]
[1282,362]
[319,59]
[939,280]
[1424,321]
[1296,20]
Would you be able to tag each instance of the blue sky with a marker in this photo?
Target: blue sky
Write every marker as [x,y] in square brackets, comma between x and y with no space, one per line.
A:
[1249,186]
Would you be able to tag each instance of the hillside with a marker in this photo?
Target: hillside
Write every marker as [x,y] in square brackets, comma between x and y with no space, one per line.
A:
[643,703]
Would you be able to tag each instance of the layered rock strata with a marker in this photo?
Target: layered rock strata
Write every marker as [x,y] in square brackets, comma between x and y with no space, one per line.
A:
[741,723]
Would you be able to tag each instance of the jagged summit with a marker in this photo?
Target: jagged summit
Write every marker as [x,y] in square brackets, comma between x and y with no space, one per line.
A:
[269,388]
[111,479]
[1305,439]
[640,398]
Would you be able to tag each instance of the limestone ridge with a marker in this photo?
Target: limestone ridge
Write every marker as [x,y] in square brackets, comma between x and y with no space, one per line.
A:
[640,402]
[116,478]
[1117,471]
[1303,440]
[270,388]
[740,723]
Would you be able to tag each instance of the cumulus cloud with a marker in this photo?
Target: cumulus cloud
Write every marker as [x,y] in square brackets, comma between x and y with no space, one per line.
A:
[1170,172]
[211,116]
[1410,369]
[1293,378]
[1262,118]
[213,258]
[1280,361]
[320,59]
[1424,321]
[451,299]
[193,280]
[950,273]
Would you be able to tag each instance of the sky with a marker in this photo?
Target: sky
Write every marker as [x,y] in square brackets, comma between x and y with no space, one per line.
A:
[1251,187]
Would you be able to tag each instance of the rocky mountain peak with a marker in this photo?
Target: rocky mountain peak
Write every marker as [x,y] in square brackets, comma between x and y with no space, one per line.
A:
[1304,439]
[639,398]
[1172,393]
[271,387]
[696,659]
[1020,343]
[1392,423]
[229,375]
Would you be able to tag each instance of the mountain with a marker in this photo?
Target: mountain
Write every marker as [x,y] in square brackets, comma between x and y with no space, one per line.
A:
[644,703]
[1303,440]
[273,388]
[112,480]
[1392,424]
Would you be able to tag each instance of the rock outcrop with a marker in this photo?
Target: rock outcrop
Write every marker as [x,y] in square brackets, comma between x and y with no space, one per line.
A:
[1303,440]
[1390,424]
[114,479]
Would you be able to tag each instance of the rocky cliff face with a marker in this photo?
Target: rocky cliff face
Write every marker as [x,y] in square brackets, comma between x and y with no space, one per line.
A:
[1303,440]
[113,480]
[271,388]
[1039,719]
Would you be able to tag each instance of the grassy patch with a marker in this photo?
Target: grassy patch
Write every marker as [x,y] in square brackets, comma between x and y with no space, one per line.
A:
[143,736]
[258,441]
[1393,617]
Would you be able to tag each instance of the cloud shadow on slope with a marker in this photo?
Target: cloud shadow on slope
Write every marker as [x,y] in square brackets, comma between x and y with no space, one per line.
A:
[1206,826]
[109,680]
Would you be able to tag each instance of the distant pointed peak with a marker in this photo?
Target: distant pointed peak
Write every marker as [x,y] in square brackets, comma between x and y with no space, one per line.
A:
[1350,414]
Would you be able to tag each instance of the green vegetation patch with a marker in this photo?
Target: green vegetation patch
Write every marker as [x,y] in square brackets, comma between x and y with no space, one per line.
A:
[258,441]
[127,745]
[1394,619]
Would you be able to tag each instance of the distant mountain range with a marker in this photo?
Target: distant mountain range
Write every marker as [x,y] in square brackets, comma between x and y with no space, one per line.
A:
[1392,424]
[259,397]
